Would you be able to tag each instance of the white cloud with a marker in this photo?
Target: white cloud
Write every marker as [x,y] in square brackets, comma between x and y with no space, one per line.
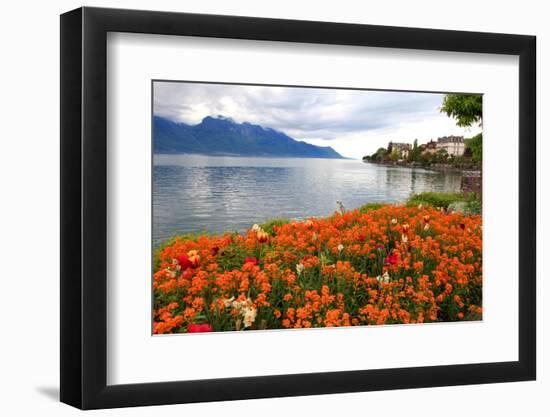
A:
[353,122]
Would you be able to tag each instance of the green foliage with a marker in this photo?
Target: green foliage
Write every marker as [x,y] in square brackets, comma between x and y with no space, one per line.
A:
[474,207]
[232,257]
[475,144]
[268,225]
[414,154]
[380,155]
[394,156]
[466,109]
[435,199]
[365,208]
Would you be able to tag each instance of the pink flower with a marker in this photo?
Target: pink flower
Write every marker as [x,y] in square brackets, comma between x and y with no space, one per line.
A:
[199,328]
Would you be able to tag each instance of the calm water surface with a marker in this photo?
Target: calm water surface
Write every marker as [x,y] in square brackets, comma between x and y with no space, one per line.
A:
[194,193]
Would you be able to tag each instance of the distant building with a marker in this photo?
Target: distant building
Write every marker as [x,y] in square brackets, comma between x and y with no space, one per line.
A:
[403,149]
[454,145]
[430,147]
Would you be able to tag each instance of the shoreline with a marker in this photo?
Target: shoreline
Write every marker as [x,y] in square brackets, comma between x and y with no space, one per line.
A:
[435,167]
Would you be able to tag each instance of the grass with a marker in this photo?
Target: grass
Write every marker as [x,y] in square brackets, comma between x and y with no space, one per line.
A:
[435,199]
[268,225]
[365,208]
[444,200]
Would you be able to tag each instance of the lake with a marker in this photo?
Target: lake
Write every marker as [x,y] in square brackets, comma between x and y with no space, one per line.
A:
[196,193]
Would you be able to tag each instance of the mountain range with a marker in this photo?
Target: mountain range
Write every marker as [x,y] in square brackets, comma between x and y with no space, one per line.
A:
[223,136]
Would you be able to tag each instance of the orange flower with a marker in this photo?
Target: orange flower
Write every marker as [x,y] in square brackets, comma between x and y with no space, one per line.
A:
[304,280]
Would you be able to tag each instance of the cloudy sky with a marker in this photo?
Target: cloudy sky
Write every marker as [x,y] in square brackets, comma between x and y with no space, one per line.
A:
[355,123]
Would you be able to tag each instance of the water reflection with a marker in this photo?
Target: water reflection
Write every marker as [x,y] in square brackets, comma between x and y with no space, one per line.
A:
[193,193]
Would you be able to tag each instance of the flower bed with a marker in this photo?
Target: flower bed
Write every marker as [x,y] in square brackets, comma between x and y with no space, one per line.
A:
[391,265]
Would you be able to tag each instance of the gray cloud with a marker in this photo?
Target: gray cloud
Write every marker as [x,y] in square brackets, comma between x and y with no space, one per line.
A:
[303,112]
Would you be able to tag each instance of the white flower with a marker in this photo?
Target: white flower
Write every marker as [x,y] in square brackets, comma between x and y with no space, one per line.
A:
[315,236]
[256,228]
[340,247]
[249,316]
[427,226]
[299,268]
[170,273]
[404,238]
[227,303]
[385,278]
[420,206]
[394,221]
[241,305]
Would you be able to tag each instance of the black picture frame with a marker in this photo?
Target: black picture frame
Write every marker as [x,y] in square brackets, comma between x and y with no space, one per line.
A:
[84,207]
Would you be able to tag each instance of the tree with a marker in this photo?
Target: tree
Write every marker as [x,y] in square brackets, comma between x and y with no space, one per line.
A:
[415,152]
[475,145]
[395,155]
[466,109]
[379,155]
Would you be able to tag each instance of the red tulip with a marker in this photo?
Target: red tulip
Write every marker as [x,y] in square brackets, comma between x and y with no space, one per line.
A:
[462,226]
[361,238]
[426,218]
[406,228]
[184,262]
[214,250]
[251,260]
[262,236]
[391,259]
[199,328]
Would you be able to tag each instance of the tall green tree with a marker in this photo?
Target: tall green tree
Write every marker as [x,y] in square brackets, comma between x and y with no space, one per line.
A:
[475,144]
[466,109]
[414,154]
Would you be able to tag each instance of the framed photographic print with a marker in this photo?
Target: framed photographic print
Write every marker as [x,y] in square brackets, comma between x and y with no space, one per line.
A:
[258,207]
